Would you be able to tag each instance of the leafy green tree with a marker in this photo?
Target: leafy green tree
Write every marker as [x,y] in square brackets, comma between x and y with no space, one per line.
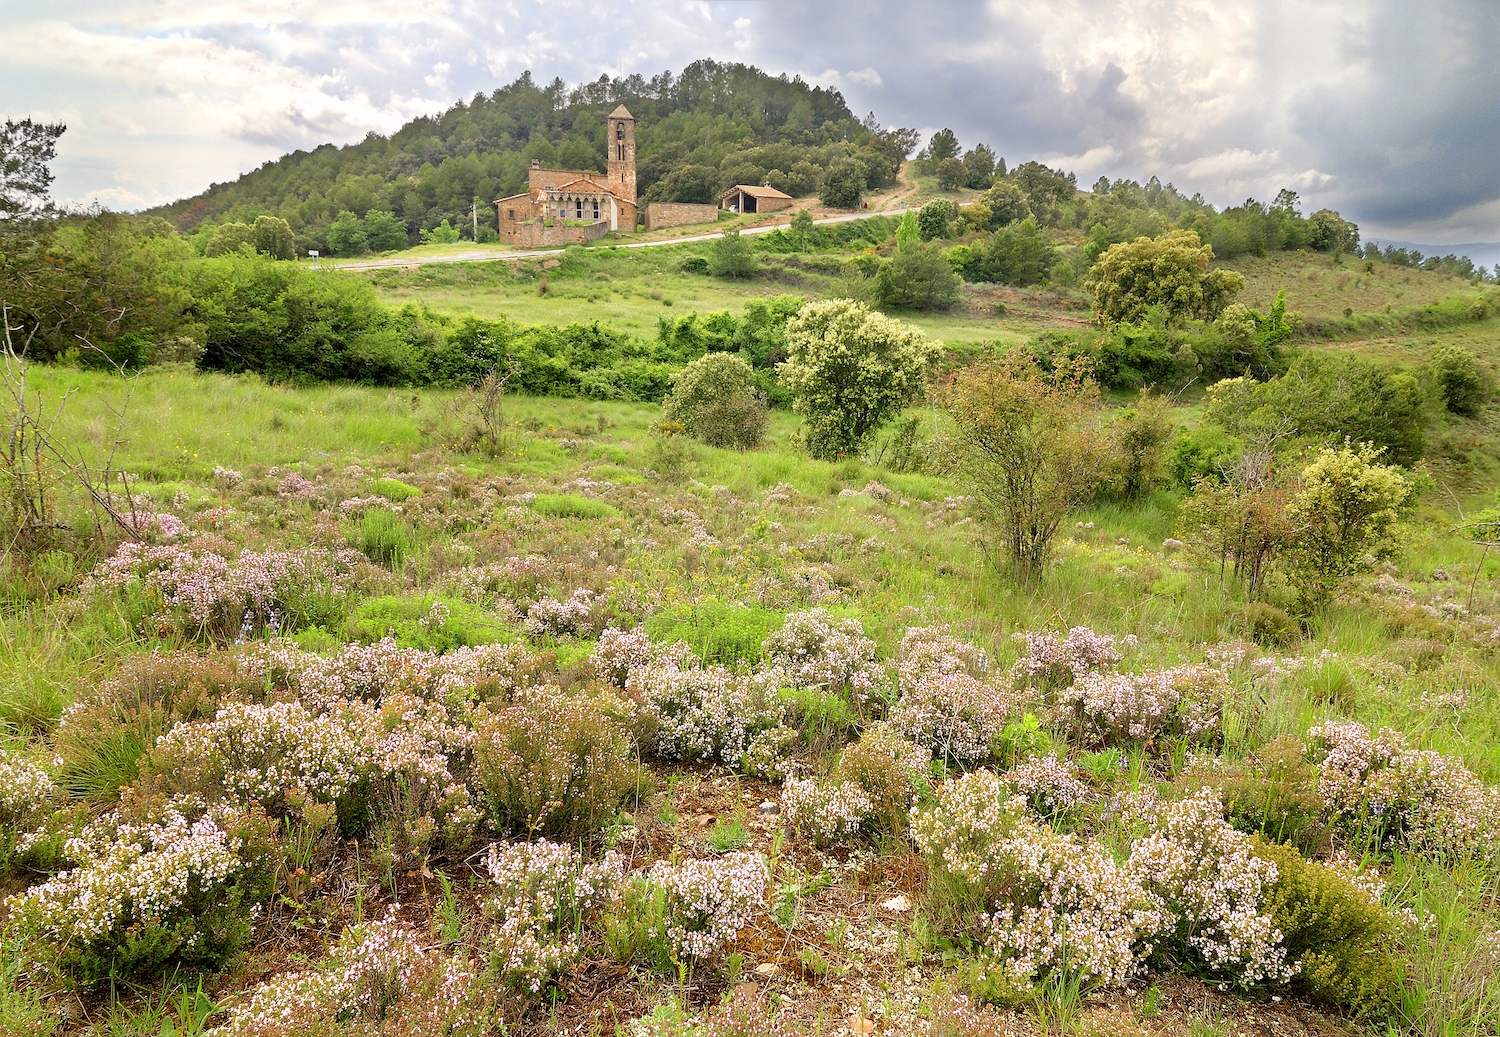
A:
[1007,204]
[850,370]
[917,278]
[1332,233]
[935,219]
[1045,189]
[272,237]
[943,145]
[443,234]
[908,232]
[229,239]
[1346,516]
[979,167]
[801,227]
[1141,437]
[714,399]
[843,185]
[976,216]
[692,183]
[346,235]
[951,174]
[1456,375]
[731,256]
[1018,254]
[1030,445]
[384,231]
[27,149]
[1171,271]
[1325,399]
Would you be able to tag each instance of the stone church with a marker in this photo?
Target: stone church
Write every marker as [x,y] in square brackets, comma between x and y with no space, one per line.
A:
[571,206]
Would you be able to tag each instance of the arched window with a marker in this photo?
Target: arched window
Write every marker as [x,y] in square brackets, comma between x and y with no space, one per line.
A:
[619,131]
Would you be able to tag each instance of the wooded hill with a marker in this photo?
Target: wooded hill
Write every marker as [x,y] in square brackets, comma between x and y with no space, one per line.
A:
[713,125]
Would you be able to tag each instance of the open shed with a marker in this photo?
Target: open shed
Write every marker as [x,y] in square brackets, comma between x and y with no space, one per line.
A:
[747,198]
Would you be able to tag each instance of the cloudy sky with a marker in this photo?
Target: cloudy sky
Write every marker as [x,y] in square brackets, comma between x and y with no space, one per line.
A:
[1387,110]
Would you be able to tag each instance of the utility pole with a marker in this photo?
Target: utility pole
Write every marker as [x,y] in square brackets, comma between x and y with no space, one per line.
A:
[474,212]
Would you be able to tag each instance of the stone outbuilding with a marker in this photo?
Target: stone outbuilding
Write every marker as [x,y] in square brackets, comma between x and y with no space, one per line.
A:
[746,198]
[571,206]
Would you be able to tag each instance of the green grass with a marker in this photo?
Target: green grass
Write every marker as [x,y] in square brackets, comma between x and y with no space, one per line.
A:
[571,505]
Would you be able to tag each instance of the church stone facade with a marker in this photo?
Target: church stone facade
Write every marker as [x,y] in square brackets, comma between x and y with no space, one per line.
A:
[571,206]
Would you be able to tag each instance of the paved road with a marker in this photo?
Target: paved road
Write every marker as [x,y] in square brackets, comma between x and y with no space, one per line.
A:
[491,257]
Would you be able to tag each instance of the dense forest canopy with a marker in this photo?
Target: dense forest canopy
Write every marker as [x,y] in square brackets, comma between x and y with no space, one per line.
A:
[713,125]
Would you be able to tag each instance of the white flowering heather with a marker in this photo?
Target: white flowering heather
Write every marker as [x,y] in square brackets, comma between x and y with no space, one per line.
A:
[264,752]
[1118,708]
[1049,785]
[709,901]
[205,594]
[354,507]
[702,713]
[926,651]
[377,971]
[1054,662]
[137,893]
[826,812]
[952,714]
[513,577]
[1417,798]
[1065,905]
[959,832]
[1047,901]
[27,795]
[617,651]
[814,650]
[548,616]
[544,892]
[1214,887]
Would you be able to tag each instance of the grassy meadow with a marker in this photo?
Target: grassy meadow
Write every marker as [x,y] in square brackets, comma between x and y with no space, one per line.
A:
[358,649]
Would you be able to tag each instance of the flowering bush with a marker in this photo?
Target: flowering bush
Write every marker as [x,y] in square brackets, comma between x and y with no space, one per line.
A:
[202,594]
[1407,797]
[707,902]
[1051,662]
[618,651]
[953,714]
[1049,785]
[548,616]
[264,752]
[1039,901]
[552,762]
[706,713]
[145,893]
[814,650]
[1066,906]
[932,650]
[514,577]
[1120,708]
[380,980]
[1215,888]
[826,812]
[27,795]
[544,895]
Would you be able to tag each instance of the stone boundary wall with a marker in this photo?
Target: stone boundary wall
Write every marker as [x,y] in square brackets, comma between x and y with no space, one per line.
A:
[536,234]
[677,214]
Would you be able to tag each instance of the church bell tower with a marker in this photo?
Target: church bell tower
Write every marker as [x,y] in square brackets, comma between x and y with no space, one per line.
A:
[621,165]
